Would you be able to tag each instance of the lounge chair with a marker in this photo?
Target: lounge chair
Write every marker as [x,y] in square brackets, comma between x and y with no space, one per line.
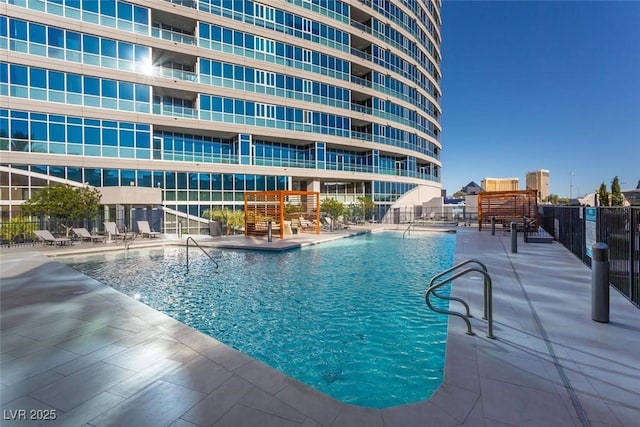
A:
[84,234]
[306,224]
[47,238]
[145,230]
[114,233]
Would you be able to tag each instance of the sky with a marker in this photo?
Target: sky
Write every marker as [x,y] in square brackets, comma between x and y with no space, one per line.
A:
[541,85]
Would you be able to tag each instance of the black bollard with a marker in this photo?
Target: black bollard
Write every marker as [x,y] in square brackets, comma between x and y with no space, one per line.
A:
[514,237]
[600,282]
[269,232]
[493,225]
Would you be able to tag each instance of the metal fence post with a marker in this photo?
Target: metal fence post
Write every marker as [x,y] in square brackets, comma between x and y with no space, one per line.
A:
[514,237]
[600,283]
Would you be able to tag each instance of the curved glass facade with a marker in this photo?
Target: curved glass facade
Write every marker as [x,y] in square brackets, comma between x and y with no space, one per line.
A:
[340,97]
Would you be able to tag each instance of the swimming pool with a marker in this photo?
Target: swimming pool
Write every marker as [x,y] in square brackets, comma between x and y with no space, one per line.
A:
[346,317]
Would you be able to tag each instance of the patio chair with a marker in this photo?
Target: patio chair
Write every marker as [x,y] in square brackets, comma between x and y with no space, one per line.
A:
[145,230]
[84,234]
[47,238]
[114,233]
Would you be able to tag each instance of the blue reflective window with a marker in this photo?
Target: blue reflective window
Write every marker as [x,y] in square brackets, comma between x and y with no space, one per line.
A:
[108,48]
[56,132]
[109,89]
[74,83]
[38,77]
[37,33]
[39,131]
[125,90]
[90,5]
[126,138]
[92,86]
[125,51]
[91,44]
[205,102]
[73,41]
[143,140]
[109,137]
[110,177]
[56,37]
[142,93]
[92,135]
[142,54]
[141,15]
[216,103]
[108,7]
[3,26]
[18,75]
[74,134]
[216,68]
[18,29]
[227,36]
[125,11]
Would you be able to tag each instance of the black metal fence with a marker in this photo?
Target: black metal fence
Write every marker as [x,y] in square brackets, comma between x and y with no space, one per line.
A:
[20,231]
[618,227]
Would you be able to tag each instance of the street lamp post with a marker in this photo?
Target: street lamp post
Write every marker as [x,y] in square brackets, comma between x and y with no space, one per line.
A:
[570,186]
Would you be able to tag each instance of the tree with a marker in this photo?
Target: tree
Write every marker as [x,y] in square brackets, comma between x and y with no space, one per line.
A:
[233,219]
[603,195]
[616,194]
[333,208]
[63,202]
[365,207]
[638,186]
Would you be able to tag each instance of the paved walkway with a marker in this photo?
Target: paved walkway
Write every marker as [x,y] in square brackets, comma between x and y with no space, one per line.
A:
[79,350]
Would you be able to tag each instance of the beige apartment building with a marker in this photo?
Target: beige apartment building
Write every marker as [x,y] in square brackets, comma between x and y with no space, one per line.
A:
[539,180]
[500,184]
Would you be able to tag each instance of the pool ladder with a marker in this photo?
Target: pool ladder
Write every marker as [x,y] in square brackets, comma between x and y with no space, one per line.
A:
[434,284]
[203,251]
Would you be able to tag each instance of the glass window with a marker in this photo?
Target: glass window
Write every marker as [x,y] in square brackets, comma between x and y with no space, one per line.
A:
[108,7]
[18,75]
[92,86]
[141,15]
[125,11]
[73,41]
[126,138]
[91,135]
[57,132]
[91,44]
[74,83]
[56,37]
[125,90]
[37,33]
[109,89]
[110,177]
[38,131]
[108,48]
[90,5]
[109,137]
[18,29]
[142,93]
[125,51]
[74,134]
[38,77]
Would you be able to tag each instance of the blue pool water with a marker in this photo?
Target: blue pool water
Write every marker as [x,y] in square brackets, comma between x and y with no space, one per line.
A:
[346,317]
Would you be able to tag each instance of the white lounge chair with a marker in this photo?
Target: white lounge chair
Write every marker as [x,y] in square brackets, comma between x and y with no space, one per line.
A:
[114,233]
[47,238]
[145,230]
[84,234]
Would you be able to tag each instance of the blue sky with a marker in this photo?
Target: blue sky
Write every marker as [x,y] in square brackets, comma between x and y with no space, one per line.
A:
[541,85]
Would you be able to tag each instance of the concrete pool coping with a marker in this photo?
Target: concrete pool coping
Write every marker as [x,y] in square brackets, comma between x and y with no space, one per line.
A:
[98,357]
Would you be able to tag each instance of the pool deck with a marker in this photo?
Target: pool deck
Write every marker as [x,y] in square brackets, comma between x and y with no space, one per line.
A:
[75,348]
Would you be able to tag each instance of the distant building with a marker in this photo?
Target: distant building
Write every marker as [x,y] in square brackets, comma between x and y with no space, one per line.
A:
[538,180]
[501,184]
[471,189]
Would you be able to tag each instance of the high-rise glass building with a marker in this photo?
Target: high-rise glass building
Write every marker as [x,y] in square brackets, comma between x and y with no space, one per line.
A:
[183,105]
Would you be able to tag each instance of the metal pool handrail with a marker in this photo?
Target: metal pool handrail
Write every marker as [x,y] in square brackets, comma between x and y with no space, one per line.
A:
[408,230]
[488,303]
[203,251]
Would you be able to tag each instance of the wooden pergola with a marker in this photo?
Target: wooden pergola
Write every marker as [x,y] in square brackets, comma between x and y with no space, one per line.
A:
[288,211]
[507,206]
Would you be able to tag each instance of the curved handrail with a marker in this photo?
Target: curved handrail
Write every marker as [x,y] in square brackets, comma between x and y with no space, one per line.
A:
[203,251]
[487,299]
[408,229]
[455,267]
